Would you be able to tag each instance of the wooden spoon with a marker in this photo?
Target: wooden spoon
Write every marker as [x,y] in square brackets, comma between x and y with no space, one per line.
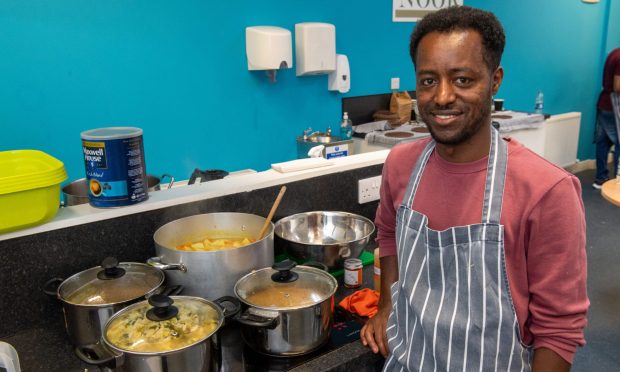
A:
[271,213]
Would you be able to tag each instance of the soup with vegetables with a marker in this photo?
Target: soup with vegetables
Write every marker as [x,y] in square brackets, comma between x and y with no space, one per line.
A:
[133,331]
[216,242]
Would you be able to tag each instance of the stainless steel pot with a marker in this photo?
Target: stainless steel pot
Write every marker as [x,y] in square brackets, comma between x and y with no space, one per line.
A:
[76,192]
[91,297]
[211,274]
[290,309]
[326,237]
[176,333]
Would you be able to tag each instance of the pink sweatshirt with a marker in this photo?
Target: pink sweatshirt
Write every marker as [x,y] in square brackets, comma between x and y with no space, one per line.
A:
[544,239]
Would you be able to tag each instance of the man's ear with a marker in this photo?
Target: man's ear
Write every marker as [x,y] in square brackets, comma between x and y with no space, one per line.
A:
[498,76]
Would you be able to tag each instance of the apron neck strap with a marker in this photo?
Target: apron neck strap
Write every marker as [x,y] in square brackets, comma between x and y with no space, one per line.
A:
[416,174]
[495,178]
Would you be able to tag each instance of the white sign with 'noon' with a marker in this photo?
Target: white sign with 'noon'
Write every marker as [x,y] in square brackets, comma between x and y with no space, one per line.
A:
[414,10]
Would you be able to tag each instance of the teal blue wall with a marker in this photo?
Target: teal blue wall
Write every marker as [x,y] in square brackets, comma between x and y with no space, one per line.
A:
[554,46]
[613,26]
[178,70]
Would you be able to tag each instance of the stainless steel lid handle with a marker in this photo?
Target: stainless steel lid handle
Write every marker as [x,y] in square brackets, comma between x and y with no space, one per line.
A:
[156,263]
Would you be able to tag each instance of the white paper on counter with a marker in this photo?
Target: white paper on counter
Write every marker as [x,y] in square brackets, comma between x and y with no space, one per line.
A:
[371,127]
[513,120]
[301,164]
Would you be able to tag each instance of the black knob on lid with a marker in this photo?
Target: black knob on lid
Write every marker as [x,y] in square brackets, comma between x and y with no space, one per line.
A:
[110,269]
[162,308]
[284,274]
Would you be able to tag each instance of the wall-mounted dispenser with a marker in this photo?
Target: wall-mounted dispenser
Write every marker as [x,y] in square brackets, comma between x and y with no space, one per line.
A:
[340,79]
[315,48]
[268,48]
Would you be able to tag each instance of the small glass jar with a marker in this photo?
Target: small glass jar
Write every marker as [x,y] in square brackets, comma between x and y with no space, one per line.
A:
[353,272]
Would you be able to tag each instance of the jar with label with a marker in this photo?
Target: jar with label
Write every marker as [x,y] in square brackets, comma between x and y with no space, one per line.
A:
[353,272]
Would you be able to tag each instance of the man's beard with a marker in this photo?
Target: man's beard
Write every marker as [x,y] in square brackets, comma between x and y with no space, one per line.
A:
[467,131]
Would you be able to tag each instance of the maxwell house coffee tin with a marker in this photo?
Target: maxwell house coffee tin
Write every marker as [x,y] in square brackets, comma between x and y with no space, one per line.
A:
[115,167]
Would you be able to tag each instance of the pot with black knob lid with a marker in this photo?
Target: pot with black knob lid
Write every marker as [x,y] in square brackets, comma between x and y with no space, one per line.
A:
[164,333]
[289,308]
[89,298]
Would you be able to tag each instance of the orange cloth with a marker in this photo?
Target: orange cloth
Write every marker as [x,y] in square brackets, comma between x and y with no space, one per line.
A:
[364,302]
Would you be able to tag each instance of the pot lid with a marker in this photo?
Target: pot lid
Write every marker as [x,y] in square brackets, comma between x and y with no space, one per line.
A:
[286,286]
[111,283]
[162,324]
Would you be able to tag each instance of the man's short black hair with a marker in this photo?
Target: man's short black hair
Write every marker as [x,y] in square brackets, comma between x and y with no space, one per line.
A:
[461,18]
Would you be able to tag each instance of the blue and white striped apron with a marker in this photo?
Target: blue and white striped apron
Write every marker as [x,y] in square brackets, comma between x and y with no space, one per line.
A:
[452,309]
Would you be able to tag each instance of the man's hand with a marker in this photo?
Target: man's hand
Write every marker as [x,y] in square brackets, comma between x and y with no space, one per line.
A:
[373,333]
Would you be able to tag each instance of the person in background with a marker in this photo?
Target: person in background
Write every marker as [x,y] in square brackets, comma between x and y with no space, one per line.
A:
[482,242]
[606,133]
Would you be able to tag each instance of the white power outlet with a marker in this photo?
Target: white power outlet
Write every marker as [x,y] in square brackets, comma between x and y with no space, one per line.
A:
[368,189]
[395,83]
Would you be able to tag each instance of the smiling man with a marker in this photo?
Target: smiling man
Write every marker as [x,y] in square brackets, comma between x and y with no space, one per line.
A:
[482,241]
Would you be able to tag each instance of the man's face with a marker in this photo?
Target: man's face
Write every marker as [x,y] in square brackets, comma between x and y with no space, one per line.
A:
[454,85]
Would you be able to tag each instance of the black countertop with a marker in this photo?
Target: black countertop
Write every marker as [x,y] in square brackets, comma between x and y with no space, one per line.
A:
[47,348]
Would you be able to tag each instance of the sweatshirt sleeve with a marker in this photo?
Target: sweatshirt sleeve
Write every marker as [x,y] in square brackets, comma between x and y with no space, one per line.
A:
[385,219]
[557,270]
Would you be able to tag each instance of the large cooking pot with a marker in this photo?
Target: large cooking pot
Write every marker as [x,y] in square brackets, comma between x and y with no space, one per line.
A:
[211,274]
[326,237]
[176,333]
[290,309]
[91,297]
[76,192]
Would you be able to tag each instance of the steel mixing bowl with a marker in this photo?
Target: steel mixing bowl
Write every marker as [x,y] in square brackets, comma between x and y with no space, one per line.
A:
[326,237]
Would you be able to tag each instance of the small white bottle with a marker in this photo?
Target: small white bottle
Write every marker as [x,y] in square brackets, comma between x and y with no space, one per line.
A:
[539,105]
[346,127]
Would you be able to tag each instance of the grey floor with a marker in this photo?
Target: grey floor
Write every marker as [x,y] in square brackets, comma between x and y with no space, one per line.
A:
[602,351]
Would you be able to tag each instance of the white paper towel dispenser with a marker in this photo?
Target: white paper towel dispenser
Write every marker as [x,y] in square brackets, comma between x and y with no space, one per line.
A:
[315,48]
[268,48]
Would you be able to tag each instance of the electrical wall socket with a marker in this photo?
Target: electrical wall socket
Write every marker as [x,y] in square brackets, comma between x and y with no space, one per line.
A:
[368,189]
[395,83]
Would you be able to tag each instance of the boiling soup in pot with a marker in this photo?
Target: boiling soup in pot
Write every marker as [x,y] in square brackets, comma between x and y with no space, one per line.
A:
[133,330]
[216,241]
[284,296]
